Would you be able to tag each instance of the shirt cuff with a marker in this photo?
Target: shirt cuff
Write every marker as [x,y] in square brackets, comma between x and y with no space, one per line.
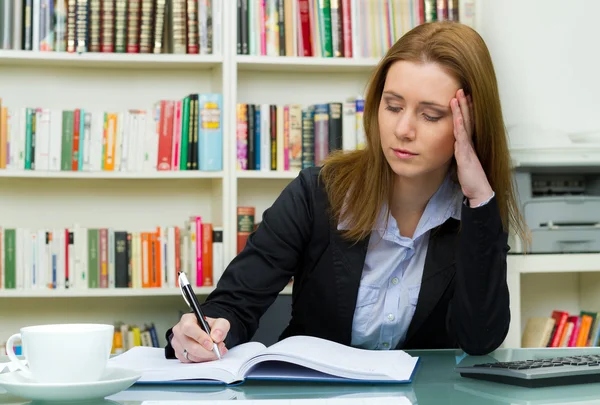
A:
[466,201]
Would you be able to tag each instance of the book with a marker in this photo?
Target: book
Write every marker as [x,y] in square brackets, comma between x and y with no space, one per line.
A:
[538,332]
[296,358]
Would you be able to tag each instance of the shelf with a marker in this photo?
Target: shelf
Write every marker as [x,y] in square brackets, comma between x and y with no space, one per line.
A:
[305,64]
[257,174]
[554,263]
[108,292]
[110,60]
[552,157]
[112,175]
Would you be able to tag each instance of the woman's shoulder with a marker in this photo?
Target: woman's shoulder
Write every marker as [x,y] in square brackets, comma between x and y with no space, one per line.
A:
[308,185]
[308,178]
[311,173]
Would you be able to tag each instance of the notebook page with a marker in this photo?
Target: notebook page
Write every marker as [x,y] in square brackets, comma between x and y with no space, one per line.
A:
[337,359]
[154,367]
[303,401]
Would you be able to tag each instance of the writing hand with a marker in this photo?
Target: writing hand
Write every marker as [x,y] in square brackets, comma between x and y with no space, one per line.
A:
[473,181]
[189,338]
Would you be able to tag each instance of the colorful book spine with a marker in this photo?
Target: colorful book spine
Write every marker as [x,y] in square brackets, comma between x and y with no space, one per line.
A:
[210,133]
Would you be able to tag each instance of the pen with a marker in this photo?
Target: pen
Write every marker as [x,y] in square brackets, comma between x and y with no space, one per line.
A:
[192,301]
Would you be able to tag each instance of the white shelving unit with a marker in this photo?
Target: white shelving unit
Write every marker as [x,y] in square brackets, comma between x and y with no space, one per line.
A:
[32,174]
[110,60]
[139,200]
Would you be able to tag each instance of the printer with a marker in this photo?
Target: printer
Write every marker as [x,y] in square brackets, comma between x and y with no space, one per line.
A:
[557,179]
[561,206]
[558,189]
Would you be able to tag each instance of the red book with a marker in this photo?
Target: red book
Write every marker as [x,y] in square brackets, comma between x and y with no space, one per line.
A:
[560,319]
[245,225]
[347,28]
[199,257]
[207,262]
[165,140]
[305,46]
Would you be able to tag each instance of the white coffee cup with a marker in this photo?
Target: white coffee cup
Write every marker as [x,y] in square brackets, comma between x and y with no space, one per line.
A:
[63,353]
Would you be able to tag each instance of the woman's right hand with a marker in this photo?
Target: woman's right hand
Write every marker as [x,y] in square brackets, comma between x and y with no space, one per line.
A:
[192,345]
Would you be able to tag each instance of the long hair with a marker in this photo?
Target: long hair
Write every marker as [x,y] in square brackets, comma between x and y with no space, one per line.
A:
[359,182]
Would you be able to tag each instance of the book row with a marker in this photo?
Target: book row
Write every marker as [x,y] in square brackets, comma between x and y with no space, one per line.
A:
[128,336]
[563,329]
[335,28]
[293,137]
[182,134]
[80,257]
[120,26]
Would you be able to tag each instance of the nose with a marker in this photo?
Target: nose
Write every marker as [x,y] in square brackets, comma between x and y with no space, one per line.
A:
[405,126]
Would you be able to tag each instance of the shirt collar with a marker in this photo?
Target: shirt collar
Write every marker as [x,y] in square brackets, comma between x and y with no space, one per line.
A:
[444,204]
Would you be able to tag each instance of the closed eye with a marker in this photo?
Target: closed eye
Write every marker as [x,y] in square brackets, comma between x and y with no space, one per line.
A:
[393,109]
[431,119]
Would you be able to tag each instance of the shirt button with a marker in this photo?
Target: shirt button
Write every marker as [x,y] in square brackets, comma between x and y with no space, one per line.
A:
[395,280]
[390,317]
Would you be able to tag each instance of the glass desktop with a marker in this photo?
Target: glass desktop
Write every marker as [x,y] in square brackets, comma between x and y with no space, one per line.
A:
[435,382]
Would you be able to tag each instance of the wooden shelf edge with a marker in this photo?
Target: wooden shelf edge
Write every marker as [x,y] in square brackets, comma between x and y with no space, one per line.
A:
[106,175]
[553,263]
[305,64]
[98,59]
[108,293]
[257,174]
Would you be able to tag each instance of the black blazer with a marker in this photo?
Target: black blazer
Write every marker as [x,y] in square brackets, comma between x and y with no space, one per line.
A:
[463,300]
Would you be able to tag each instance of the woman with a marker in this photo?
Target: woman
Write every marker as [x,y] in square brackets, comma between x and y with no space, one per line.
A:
[401,245]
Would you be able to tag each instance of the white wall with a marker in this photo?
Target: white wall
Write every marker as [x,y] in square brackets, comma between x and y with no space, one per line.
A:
[546,59]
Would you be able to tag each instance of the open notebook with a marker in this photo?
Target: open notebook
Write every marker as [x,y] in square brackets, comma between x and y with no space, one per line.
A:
[303,358]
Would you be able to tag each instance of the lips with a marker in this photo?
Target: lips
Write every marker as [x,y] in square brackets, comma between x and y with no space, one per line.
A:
[403,153]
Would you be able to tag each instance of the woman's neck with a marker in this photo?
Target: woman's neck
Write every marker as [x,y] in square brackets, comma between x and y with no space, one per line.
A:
[409,199]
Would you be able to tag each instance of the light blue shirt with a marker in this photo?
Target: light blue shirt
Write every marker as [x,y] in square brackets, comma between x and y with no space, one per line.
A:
[392,272]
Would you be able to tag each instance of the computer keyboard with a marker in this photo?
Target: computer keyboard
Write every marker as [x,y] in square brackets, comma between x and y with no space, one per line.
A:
[537,373]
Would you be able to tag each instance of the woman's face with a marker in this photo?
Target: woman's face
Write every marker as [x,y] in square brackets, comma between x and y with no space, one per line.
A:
[415,120]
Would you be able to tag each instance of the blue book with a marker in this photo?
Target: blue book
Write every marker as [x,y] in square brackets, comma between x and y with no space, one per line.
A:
[296,358]
[210,132]
[257,137]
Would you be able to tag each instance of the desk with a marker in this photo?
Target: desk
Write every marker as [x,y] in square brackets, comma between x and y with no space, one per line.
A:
[435,382]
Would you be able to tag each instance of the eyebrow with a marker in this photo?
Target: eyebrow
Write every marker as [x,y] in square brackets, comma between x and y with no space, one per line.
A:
[426,103]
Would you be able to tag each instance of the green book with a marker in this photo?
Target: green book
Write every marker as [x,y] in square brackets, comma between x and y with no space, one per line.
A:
[66,155]
[325,28]
[93,258]
[10,253]
[185,133]
[29,113]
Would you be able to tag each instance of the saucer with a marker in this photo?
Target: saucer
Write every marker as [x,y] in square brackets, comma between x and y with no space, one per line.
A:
[113,381]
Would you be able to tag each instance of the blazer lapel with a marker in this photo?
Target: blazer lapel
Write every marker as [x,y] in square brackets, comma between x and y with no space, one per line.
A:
[348,261]
[439,260]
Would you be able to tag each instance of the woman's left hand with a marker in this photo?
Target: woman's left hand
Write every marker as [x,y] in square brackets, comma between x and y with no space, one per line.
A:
[472,178]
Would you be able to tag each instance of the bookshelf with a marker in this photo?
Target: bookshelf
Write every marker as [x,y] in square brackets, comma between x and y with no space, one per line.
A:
[121,200]
[136,200]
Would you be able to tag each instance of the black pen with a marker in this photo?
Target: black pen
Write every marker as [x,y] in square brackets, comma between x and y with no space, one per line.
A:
[192,301]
